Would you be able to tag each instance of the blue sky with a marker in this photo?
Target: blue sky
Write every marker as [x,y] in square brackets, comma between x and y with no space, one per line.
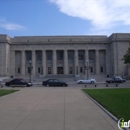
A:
[64,17]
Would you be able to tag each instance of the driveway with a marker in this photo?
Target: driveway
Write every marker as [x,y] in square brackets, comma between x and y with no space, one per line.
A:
[43,108]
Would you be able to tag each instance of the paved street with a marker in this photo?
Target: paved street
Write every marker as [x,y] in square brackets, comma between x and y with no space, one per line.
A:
[54,108]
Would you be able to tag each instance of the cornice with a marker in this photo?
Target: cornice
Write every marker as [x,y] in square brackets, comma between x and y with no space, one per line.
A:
[5,41]
[58,43]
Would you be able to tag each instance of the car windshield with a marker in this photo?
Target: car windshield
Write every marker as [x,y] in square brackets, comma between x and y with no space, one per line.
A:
[51,80]
[87,78]
[55,80]
[118,77]
[22,80]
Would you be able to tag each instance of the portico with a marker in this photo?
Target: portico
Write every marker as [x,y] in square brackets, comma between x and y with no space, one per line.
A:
[67,62]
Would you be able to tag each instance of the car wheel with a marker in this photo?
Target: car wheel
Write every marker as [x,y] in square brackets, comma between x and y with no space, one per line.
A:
[47,85]
[63,85]
[80,82]
[92,82]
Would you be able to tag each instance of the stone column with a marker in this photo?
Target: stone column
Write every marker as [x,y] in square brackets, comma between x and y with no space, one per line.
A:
[76,61]
[23,62]
[86,60]
[65,62]
[33,62]
[54,62]
[44,61]
[12,61]
[97,61]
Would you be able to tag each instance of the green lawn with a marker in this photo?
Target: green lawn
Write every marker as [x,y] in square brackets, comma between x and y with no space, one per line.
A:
[116,101]
[5,92]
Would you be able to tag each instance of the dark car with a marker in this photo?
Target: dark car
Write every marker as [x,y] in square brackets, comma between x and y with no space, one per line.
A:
[18,82]
[54,82]
[116,80]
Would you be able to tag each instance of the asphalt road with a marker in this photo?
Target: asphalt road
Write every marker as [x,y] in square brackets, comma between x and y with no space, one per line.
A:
[97,85]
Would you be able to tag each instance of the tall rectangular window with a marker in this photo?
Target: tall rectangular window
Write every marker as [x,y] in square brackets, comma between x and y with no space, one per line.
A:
[91,56]
[28,69]
[81,69]
[59,55]
[18,70]
[81,55]
[101,69]
[39,57]
[49,55]
[28,56]
[91,69]
[70,70]
[38,69]
[71,55]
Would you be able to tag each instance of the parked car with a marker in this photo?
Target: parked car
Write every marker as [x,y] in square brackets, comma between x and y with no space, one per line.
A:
[18,82]
[54,82]
[86,80]
[116,79]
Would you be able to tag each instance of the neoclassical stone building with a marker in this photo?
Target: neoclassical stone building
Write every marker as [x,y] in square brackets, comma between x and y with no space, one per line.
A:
[63,55]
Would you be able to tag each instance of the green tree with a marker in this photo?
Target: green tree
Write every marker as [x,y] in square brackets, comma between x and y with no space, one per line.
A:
[126,57]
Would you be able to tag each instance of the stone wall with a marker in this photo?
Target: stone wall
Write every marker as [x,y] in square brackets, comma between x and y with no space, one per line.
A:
[4,59]
[4,55]
[119,46]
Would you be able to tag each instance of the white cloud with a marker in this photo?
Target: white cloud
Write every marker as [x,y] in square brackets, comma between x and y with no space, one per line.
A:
[103,14]
[11,26]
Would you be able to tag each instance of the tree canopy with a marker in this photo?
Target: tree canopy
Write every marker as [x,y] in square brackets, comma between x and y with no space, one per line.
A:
[126,57]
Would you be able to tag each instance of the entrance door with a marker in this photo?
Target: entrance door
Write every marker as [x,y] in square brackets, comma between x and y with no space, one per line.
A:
[70,70]
[59,70]
[81,70]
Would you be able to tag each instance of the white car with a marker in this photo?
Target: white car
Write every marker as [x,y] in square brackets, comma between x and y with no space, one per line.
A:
[85,80]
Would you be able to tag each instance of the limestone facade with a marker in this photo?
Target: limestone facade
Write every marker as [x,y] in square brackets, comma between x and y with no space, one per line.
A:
[63,55]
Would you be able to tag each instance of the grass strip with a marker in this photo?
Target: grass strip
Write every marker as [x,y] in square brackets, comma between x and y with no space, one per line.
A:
[5,92]
[116,101]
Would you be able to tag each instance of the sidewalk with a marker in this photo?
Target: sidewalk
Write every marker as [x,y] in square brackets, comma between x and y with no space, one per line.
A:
[52,109]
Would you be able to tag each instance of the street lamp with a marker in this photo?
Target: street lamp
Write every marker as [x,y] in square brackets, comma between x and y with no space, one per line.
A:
[87,68]
[30,70]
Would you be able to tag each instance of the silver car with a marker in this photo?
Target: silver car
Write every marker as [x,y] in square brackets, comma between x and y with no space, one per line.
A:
[85,80]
